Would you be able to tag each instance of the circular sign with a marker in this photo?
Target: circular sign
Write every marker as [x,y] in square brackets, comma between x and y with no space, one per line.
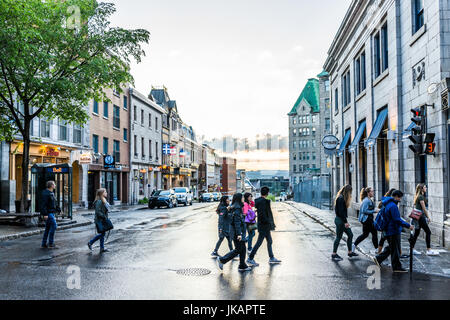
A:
[109,159]
[330,142]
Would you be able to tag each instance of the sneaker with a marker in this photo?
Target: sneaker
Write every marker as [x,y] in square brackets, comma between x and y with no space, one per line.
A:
[404,256]
[44,246]
[374,252]
[353,247]
[104,250]
[432,253]
[245,269]
[219,264]
[252,262]
[249,251]
[375,259]
[89,246]
[401,270]
[52,246]
[274,261]
[353,254]
[214,254]
[336,257]
[416,253]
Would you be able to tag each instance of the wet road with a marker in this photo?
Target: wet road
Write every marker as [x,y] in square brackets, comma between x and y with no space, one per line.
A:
[149,246]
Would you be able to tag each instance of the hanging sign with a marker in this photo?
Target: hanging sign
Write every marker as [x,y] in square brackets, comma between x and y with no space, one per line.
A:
[330,142]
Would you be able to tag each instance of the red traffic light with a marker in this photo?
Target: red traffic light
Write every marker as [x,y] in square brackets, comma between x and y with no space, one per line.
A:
[417,112]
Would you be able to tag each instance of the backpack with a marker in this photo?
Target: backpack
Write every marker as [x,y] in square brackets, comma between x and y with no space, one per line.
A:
[381,222]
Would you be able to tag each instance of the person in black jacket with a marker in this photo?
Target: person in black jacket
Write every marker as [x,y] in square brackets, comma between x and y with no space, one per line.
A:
[224,224]
[48,211]
[237,231]
[341,204]
[265,225]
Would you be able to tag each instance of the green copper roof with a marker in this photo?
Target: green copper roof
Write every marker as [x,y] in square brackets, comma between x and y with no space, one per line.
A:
[323,74]
[311,94]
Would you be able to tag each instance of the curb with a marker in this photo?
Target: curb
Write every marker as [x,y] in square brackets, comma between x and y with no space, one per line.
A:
[41,230]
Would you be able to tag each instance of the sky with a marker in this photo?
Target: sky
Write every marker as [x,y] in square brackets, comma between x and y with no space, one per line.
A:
[235,66]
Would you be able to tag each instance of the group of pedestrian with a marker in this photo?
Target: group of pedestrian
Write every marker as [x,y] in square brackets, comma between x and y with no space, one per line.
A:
[238,222]
[49,209]
[390,219]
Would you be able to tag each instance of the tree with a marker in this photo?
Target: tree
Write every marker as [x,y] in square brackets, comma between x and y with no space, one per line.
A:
[55,56]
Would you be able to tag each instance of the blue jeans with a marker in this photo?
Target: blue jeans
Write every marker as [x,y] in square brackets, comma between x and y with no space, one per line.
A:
[251,234]
[50,228]
[100,236]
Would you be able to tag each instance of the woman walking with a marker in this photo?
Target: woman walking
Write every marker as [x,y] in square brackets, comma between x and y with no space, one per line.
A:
[237,230]
[224,224]
[341,204]
[366,212]
[102,209]
[250,219]
[421,203]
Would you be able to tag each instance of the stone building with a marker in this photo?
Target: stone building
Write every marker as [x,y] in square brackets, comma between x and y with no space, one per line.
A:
[145,146]
[387,58]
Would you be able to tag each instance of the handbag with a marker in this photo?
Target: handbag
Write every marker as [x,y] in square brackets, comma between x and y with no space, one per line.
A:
[416,214]
[104,225]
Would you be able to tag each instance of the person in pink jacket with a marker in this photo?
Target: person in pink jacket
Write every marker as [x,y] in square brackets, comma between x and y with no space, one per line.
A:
[250,219]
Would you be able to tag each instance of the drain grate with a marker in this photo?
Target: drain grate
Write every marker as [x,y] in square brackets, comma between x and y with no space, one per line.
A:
[193,272]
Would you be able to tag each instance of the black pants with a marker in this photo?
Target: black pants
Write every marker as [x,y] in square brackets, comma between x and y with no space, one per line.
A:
[263,233]
[219,242]
[393,250]
[422,225]
[382,241]
[368,228]
[238,251]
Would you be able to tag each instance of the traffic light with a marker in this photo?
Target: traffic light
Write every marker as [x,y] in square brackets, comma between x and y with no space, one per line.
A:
[430,145]
[417,130]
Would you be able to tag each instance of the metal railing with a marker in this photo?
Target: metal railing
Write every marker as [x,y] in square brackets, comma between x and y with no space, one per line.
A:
[315,191]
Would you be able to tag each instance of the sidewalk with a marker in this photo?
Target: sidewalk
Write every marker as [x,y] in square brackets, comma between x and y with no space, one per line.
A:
[438,265]
[81,218]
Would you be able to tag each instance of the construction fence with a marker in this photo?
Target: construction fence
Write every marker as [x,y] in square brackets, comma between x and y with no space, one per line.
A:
[315,191]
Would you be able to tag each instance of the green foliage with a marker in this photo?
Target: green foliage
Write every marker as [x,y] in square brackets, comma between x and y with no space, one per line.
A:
[143,201]
[271,197]
[55,56]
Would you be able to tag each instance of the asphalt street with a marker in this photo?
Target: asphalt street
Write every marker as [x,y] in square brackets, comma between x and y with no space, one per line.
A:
[154,254]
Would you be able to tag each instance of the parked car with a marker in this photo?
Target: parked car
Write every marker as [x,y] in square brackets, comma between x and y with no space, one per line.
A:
[206,197]
[163,198]
[216,196]
[184,196]
[283,196]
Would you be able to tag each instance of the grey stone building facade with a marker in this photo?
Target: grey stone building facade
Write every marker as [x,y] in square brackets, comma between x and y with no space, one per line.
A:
[145,146]
[387,58]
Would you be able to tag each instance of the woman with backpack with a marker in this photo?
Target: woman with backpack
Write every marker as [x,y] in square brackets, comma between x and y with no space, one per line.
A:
[224,224]
[420,205]
[341,204]
[237,231]
[250,219]
[102,208]
[366,212]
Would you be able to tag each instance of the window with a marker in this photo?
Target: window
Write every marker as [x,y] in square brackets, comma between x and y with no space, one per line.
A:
[313,131]
[95,143]
[346,89]
[135,146]
[418,17]
[336,100]
[381,52]
[149,120]
[294,145]
[157,151]
[313,143]
[105,145]
[307,156]
[294,120]
[44,128]
[125,134]
[125,102]
[313,156]
[142,148]
[327,85]
[62,131]
[294,157]
[360,73]
[150,148]
[105,109]
[135,113]
[156,124]
[295,168]
[116,117]
[76,133]
[142,117]
[95,107]
[116,147]
[327,124]
[295,132]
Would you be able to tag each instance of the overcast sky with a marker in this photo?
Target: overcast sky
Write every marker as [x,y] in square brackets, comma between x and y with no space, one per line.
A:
[234,60]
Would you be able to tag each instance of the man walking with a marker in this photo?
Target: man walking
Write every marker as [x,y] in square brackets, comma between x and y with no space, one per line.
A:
[393,231]
[265,225]
[48,211]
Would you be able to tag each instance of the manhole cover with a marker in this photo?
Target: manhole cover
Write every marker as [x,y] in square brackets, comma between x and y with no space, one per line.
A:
[194,272]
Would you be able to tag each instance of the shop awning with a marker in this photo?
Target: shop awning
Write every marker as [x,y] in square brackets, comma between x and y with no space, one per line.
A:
[376,130]
[358,136]
[408,131]
[344,143]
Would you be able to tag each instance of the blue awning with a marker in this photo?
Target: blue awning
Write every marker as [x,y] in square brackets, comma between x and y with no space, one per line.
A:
[377,127]
[358,136]
[344,143]
[408,131]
